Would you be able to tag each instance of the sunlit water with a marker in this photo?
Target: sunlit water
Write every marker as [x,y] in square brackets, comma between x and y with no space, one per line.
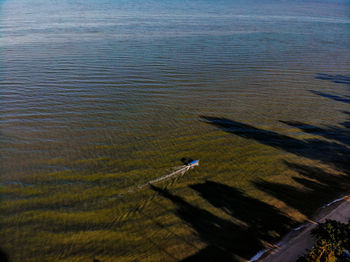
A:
[77,73]
[77,77]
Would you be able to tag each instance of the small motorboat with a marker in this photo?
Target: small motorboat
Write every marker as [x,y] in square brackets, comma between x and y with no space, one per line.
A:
[193,163]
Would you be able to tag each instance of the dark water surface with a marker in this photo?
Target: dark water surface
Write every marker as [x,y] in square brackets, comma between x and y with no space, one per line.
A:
[130,87]
[80,73]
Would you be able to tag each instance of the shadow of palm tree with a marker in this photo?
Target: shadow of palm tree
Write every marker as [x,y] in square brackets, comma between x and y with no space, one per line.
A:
[338,79]
[315,149]
[295,197]
[265,222]
[343,99]
[318,185]
[318,188]
[3,256]
[254,222]
[335,154]
[225,240]
[346,124]
[339,134]
[318,174]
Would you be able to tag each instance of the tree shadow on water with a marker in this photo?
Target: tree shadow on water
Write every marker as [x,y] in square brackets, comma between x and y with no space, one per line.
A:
[339,134]
[319,187]
[227,239]
[253,223]
[328,152]
[338,79]
[221,236]
[332,149]
[264,221]
[3,256]
[343,99]
[346,124]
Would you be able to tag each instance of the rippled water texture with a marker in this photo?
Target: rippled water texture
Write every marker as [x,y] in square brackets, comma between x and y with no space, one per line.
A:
[105,95]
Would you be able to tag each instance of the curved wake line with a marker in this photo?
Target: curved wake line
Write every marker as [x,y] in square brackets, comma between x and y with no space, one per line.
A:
[181,171]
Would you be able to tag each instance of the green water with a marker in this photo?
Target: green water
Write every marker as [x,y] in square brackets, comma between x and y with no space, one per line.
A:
[100,96]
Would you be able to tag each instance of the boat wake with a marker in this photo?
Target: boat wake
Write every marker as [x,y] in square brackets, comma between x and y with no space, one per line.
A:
[181,170]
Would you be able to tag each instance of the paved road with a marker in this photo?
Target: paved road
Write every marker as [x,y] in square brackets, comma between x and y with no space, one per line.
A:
[295,247]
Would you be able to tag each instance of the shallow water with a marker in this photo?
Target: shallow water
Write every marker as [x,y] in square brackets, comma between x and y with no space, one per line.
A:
[104,87]
[80,73]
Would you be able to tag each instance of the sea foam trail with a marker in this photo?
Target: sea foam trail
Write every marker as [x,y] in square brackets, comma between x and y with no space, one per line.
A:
[183,169]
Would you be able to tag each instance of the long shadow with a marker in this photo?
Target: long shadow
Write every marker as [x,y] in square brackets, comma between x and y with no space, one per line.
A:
[295,197]
[315,149]
[262,221]
[261,218]
[333,154]
[3,256]
[318,185]
[346,124]
[338,79]
[343,99]
[319,188]
[337,182]
[224,238]
[254,222]
[340,134]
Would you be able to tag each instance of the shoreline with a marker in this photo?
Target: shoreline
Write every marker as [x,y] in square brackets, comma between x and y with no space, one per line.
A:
[295,243]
